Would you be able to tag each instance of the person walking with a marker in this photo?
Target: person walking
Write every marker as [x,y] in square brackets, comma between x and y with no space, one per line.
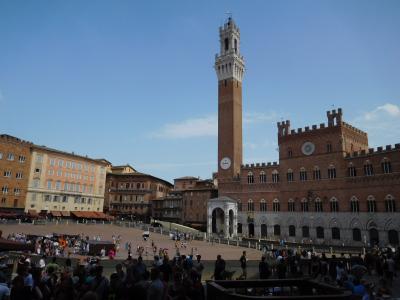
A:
[243,265]
[263,269]
[219,269]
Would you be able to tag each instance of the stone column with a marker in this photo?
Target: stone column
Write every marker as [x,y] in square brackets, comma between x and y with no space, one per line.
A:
[209,222]
[226,227]
[235,218]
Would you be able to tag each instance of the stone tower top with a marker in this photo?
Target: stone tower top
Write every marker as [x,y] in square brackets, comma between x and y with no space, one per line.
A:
[229,64]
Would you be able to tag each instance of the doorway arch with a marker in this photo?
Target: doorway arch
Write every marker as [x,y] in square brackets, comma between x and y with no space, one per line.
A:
[218,218]
[251,230]
[263,230]
[373,236]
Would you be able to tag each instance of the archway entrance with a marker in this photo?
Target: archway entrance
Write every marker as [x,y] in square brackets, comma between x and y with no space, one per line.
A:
[251,229]
[373,237]
[263,230]
[222,217]
[218,218]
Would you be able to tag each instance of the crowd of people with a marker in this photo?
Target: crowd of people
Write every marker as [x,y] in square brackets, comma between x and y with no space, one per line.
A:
[178,278]
[356,273]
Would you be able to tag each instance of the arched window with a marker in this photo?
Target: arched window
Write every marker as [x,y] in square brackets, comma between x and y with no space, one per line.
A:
[289,175]
[291,205]
[318,205]
[316,173]
[334,204]
[368,169]
[390,204]
[292,230]
[357,234]
[263,177]
[250,178]
[331,172]
[250,205]
[263,205]
[304,205]
[276,205]
[275,176]
[303,174]
[277,230]
[351,170]
[386,166]
[335,233]
[290,152]
[371,204]
[354,205]
[329,147]
[305,231]
[320,232]
[239,205]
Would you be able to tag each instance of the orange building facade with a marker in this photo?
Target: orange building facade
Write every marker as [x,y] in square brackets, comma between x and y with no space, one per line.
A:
[15,158]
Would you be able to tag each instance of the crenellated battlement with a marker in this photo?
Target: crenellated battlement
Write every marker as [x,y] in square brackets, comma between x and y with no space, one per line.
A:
[334,117]
[260,165]
[373,151]
[10,138]
[334,120]
[347,125]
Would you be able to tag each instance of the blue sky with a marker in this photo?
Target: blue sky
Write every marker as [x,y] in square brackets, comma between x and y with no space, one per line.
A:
[133,81]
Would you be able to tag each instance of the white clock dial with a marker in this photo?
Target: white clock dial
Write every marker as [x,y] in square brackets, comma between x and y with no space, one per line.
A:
[225,163]
[308,148]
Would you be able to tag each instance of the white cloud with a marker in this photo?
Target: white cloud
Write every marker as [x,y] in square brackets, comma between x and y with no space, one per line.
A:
[382,124]
[205,126]
[160,166]
[256,117]
[391,109]
[189,128]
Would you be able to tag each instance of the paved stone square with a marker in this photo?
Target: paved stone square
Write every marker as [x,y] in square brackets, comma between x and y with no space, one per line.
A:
[207,250]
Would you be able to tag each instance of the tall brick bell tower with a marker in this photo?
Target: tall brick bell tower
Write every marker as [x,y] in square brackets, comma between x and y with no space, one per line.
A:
[229,65]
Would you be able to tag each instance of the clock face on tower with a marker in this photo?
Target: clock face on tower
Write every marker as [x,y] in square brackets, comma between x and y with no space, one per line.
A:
[308,148]
[225,163]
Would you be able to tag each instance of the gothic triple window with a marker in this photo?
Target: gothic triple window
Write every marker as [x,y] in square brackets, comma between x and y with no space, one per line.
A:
[275,176]
[250,205]
[316,173]
[250,178]
[318,205]
[276,205]
[291,205]
[303,174]
[352,172]
[368,169]
[390,204]
[371,204]
[289,175]
[263,205]
[263,177]
[354,205]
[331,172]
[386,166]
[304,205]
[334,205]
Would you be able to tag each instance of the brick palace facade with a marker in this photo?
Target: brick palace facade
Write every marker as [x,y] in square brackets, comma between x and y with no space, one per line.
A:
[329,186]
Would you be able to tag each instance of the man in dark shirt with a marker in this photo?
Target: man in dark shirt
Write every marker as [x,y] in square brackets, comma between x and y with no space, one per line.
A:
[263,268]
[243,265]
[219,268]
